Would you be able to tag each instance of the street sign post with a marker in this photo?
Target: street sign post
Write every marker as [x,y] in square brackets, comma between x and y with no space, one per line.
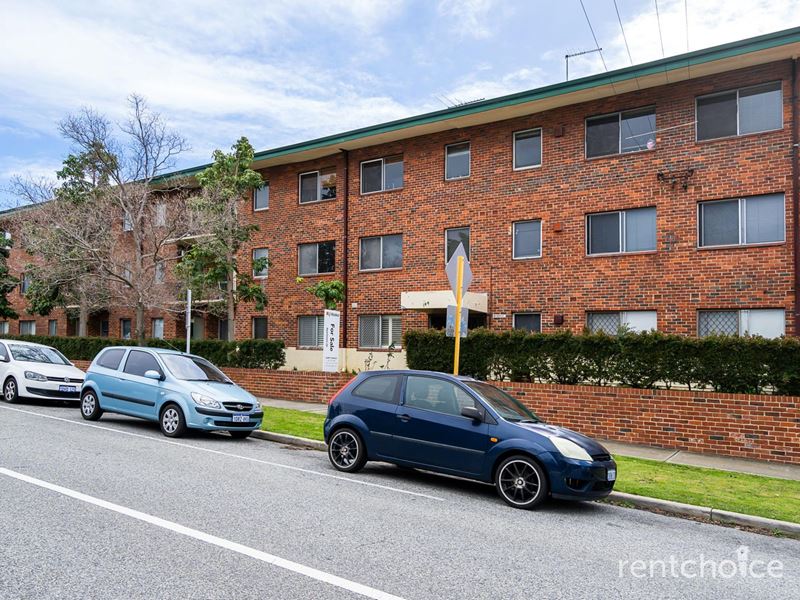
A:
[459,274]
[330,341]
[188,320]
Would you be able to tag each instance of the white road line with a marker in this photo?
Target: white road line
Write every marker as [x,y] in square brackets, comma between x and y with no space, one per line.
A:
[282,563]
[228,454]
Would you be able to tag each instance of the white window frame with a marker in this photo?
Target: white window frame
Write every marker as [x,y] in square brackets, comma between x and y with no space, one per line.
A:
[514,237]
[4,328]
[469,250]
[32,323]
[619,114]
[514,149]
[153,327]
[52,324]
[380,237]
[127,222]
[622,316]
[318,173]
[743,317]
[254,258]
[265,184]
[130,329]
[469,162]
[622,231]
[738,127]
[24,283]
[526,314]
[380,330]
[383,174]
[317,272]
[742,225]
[317,320]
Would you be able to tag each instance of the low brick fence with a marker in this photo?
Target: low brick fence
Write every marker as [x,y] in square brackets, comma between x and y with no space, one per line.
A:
[748,426]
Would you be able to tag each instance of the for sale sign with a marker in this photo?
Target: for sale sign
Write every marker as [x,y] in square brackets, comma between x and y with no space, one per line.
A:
[330,341]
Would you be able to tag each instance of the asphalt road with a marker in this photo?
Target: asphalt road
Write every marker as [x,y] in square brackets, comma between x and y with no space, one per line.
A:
[115,510]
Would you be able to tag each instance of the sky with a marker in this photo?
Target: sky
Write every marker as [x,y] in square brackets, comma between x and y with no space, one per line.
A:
[284,71]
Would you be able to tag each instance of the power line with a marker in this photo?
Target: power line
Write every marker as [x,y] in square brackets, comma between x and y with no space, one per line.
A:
[625,39]
[660,37]
[596,44]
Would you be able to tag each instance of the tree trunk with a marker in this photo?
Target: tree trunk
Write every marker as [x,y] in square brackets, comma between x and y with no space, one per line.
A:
[140,323]
[83,318]
[229,297]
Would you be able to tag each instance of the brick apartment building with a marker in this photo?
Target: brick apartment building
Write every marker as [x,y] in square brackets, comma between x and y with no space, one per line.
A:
[658,196]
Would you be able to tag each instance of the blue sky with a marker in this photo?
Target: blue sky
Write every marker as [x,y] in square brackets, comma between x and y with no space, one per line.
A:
[282,71]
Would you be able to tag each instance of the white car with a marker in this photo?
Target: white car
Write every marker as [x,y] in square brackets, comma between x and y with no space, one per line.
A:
[37,372]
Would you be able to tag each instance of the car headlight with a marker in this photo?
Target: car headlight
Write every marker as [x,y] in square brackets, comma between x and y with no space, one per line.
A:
[35,376]
[205,401]
[570,449]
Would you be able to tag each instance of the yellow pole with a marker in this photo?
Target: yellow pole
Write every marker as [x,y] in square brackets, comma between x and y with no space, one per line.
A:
[459,280]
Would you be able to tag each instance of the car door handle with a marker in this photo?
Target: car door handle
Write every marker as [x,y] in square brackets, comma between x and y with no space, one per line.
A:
[404,418]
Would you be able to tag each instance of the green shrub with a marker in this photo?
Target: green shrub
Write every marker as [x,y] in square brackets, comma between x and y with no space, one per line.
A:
[249,354]
[640,360]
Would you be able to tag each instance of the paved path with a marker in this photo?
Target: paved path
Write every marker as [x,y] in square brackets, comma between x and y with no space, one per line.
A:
[114,510]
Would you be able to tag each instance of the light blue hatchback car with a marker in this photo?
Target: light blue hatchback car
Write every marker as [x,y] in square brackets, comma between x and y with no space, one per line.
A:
[178,390]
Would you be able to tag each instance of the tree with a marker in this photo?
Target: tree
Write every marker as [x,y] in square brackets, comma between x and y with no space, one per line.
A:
[114,221]
[211,265]
[7,281]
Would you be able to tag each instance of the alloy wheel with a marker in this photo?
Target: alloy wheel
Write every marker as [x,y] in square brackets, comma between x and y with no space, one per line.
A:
[344,449]
[10,391]
[519,482]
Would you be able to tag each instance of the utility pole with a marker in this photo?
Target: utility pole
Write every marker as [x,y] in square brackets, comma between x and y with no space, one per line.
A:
[568,56]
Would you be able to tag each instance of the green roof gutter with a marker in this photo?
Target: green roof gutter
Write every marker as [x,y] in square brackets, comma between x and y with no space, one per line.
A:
[698,57]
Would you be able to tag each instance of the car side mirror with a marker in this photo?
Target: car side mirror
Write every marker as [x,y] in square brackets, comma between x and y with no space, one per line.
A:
[153,374]
[471,413]
[3,358]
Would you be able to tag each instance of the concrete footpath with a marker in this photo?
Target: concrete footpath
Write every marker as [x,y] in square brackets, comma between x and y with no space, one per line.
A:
[667,455]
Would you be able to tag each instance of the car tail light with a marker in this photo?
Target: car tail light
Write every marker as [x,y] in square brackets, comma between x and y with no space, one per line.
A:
[336,395]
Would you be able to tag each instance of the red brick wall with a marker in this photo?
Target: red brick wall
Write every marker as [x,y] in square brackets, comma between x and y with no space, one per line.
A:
[302,386]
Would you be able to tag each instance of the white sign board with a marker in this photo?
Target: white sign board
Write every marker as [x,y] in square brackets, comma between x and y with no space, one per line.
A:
[450,323]
[330,341]
[452,270]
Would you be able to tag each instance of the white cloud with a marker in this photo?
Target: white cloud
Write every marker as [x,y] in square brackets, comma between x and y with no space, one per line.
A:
[481,85]
[469,17]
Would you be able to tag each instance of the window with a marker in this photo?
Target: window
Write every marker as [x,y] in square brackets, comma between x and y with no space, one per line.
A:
[310,331]
[753,220]
[456,164]
[161,215]
[454,237]
[768,323]
[379,331]
[139,363]
[110,359]
[158,328]
[317,258]
[104,328]
[4,328]
[52,327]
[222,329]
[379,387]
[622,132]
[531,322]
[161,271]
[317,185]
[261,197]
[622,231]
[24,283]
[382,174]
[738,112]
[259,328]
[527,239]
[27,327]
[438,395]
[127,223]
[383,252]
[260,259]
[125,328]
[527,149]
[610,322]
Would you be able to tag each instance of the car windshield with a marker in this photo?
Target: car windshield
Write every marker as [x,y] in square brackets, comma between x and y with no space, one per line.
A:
[504,404]
[37,354]
[192,368]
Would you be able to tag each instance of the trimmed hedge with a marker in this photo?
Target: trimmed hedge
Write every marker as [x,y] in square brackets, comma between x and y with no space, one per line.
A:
[248,354]
[640,360]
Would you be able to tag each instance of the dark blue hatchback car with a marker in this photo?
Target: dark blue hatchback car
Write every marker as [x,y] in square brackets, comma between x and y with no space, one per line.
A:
[461,426]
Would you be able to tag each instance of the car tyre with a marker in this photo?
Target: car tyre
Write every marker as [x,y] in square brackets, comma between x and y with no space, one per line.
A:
[172,421]
[240,435]
[10,390]
[521,482]
[90,406]
[346,450]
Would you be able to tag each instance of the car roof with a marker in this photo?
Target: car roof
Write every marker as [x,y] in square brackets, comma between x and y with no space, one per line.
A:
[418,372]
[24,343]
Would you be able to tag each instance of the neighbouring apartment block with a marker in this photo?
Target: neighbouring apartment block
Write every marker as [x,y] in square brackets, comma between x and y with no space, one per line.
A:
[659,196]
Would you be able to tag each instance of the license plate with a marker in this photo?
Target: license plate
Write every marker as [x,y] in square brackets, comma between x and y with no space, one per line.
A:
[241,418]
[67,388]
[611,474]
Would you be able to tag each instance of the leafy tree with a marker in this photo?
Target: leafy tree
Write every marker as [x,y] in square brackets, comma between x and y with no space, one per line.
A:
[210,266]
[7,282]
[330,292]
